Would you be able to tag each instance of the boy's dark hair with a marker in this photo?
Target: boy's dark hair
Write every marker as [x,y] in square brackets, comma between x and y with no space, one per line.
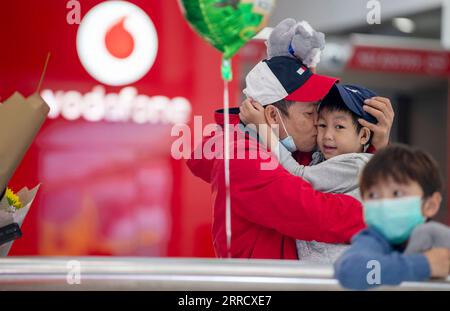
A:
[338,105]
[403,164]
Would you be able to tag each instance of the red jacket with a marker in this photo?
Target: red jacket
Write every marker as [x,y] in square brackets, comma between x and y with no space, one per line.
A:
[270,209]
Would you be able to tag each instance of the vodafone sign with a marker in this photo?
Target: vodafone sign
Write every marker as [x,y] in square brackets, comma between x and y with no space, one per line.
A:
[117,43]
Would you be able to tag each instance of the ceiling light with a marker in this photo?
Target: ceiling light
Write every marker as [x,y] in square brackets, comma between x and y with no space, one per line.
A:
[405,25]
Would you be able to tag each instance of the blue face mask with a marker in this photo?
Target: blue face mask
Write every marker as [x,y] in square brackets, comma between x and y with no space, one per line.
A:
[288,141]
[395,219]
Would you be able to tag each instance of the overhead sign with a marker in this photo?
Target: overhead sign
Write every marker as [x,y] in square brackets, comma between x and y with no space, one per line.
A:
[434,63]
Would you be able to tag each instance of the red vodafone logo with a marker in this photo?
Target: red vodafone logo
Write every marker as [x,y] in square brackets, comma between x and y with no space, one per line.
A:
[117,43]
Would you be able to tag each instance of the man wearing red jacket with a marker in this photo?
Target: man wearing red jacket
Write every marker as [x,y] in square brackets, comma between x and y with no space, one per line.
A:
[270,208]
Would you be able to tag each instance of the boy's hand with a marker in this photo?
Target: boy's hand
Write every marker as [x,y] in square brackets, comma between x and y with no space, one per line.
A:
[439,260]
[381,109]
[251,112]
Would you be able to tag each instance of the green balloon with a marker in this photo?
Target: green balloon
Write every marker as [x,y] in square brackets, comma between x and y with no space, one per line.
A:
[227,24]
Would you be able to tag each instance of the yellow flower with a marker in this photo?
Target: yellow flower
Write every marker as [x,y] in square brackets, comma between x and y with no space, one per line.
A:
[13,199]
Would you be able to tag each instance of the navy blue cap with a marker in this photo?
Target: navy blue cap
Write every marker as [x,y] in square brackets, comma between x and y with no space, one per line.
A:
[353,96]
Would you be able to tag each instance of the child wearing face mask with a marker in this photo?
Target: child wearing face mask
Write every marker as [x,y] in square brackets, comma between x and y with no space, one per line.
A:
[401,192]
[335,167]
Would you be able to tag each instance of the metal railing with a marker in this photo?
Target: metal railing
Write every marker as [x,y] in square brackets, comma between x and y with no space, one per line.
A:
[121,273]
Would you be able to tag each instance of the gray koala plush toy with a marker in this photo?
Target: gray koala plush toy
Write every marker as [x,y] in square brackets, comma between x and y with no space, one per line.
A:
[298,40]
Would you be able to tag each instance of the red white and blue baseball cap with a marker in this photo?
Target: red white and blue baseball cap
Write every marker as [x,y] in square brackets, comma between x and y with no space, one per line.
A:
[283,77]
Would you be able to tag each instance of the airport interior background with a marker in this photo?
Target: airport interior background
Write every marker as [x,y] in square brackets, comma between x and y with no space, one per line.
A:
[110,187]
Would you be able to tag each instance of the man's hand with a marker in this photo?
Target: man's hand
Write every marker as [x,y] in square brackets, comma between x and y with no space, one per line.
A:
[439,260]
[381,109]
[251,112]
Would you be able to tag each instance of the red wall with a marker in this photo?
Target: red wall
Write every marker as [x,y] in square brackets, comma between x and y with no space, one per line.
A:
[109,188]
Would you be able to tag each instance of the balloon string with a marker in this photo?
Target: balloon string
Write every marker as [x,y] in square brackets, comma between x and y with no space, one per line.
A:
[226,99]
[227,74]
